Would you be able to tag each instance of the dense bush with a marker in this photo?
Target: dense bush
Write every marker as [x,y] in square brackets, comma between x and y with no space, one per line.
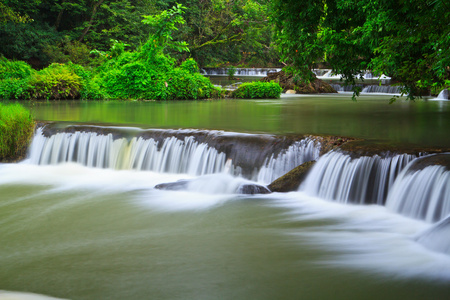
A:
[14,69]
[148,73]
[58,81]
[14,77]
[16,129]
[258,90]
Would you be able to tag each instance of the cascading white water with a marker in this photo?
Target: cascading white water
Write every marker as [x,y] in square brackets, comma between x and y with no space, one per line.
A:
[382,89]
[436,238]
[336,176]
[102,151]
[422,194]
[300,152]
[172,155]
[443,95]
[239,71]
[376,89]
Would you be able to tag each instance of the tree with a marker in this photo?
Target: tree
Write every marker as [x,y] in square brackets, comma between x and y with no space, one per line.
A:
[403,39]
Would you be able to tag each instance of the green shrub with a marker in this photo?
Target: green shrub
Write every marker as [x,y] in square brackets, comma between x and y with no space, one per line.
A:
[16,129]
[14,69]
[58,81]
[190,65]
[14,88]
[258,90]
[231,72]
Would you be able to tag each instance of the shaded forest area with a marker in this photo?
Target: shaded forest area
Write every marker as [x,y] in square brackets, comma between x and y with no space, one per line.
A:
[218,32]
[407,40]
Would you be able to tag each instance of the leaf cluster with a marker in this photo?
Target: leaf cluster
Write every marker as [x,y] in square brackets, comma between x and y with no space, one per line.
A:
[258,90]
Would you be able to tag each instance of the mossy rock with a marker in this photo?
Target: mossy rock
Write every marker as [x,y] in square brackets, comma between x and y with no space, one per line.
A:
[287,82]
[432,160]
[291,181]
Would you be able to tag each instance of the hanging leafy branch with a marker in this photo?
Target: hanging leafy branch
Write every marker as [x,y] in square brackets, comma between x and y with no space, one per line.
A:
[163,25]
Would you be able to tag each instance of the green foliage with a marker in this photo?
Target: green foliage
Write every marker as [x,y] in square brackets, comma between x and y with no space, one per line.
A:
[68,50]
[258,90]
[16,129]
[58,81]
[406,40]
[14,69]
[150,73]
[190,65]
[231,72]
[14,88]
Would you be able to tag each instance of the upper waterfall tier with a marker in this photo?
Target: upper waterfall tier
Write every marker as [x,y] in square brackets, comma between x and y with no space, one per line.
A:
[422,190]
[194,152]
[338,176]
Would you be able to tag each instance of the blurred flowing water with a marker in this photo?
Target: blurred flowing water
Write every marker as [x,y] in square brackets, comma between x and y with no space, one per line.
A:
[76,230]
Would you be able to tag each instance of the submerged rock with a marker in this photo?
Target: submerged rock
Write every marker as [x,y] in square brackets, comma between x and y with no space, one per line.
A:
[251,189]
[291,180]
[173,186]
[287,82]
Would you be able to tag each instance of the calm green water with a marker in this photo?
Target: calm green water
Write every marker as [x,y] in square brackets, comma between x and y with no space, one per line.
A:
[424,123]
[74,232]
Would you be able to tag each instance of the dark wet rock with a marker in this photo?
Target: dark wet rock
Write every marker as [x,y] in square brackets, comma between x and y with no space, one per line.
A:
[358,148]
[431,160]
[251,189]
[287,82]
[173,186]
[291,180]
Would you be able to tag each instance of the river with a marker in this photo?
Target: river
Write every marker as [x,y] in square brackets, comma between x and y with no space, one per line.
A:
[78,232]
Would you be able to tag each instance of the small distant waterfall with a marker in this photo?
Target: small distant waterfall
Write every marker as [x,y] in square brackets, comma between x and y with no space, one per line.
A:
[381,89]
[328,74]
[443,95]
[260,72]
[250,156]
[422,194]
[300,152]
[337,176]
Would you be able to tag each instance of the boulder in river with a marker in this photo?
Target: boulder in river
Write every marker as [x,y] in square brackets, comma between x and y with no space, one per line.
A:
[291,180]
[288,82]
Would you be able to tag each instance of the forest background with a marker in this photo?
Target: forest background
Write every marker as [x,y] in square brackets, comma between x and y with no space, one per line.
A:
[407,40]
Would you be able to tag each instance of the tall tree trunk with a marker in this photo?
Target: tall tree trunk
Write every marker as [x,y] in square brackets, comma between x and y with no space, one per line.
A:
[91,21]
[58,19]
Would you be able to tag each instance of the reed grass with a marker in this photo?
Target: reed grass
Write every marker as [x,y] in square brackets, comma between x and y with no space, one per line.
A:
[16,130]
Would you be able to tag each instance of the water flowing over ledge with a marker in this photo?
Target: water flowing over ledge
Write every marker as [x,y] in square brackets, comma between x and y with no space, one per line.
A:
[422,193]
[364,180]
[194,152]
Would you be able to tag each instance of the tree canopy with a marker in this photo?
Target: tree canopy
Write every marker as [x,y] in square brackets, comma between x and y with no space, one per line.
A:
[408,40]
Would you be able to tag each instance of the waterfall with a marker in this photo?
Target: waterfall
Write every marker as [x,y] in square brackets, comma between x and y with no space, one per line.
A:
[380,89]
[258,157]
[300,152]
[436,238]
[102,151]
[339,177]
[443,95]
[259,72]
[422,194]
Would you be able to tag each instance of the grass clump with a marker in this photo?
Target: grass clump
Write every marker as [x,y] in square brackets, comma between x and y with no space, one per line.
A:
[258,90]
[16,130]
